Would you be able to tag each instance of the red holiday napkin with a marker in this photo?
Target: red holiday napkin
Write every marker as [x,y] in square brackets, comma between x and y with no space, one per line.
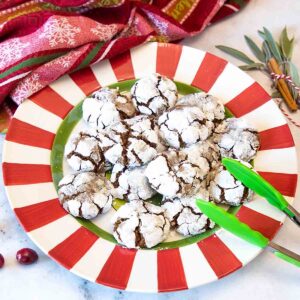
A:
[43,40]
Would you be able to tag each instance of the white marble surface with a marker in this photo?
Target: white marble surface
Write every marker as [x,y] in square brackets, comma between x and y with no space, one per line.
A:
[265,278]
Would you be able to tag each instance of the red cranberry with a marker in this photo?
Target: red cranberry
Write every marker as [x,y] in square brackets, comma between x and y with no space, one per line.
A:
[26,256]
[1,261]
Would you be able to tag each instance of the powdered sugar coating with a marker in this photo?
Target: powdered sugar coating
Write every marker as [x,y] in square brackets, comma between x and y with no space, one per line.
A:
[83,152]
[105,107]
[212,108]
[131,184]
[175,173]
[224,188]
[206,149]
[85,194]
[132,142]
[185,216]
[237,139]
[184,125]
[139,224]
[154,94]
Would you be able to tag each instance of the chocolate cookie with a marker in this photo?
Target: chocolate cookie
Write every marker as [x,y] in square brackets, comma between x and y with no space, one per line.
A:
[139,224]
[237,139]
[184,125]
[132,142]
[105,107]
[184,215]
[212,108]
[175,173]
[154,94]
[83,152]
[85,195]
[131,184]
[224,188]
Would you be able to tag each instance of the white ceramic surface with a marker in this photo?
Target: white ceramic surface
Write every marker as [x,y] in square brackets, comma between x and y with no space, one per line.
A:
[267,276]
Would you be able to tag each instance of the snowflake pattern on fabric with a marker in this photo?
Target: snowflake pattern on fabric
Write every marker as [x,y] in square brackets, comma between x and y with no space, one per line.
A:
[27,87]
[105,32]
[10,51]
[64,61]
[58,31]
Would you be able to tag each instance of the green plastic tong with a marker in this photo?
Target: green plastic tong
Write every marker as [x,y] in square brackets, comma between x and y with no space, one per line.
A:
[260,186]
[232,224]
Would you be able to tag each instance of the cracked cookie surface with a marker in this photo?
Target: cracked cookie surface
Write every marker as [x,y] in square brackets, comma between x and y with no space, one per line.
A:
[154,94]
[184,215]
[175,173]
[105,107]
[184,125]
[83,152]
[224,188]
[131,184]
[237,139]
[139,224]
[212,108]
[132,142]
[85,194]
[206,149]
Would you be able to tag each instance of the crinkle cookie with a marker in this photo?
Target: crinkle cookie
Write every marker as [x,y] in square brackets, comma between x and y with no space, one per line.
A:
[184,125]
[224,188]
[212,108]
[139,224]
[131,184]
[105,107]
[132,142]
[154,94]
[236,139]
[85,195]
[206,149]
[184,215]
[83,152]
[175,173]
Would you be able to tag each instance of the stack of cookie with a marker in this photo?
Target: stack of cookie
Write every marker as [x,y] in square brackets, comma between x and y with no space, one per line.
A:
[152,142]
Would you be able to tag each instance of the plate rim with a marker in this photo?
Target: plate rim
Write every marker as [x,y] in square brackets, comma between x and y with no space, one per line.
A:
[36,241]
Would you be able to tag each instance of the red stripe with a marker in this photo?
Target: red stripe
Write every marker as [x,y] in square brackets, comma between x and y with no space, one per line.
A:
[209,71]
[219,256]
[37,215]
[259,222]
[51,101]
[286,184]
[122,66]
[86,80]
[167,59]
[276,138]
[170,272]
[17,174]
[117,269]
[71,250]
[250,99]
[24,133]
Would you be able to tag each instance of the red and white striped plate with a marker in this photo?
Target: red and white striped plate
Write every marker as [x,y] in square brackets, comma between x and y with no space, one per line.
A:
[30,188]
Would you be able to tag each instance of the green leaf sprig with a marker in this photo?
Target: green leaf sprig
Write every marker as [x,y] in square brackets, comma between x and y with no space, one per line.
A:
[281,51]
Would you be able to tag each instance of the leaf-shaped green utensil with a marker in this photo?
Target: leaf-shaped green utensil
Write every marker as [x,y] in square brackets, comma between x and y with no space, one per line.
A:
[231,223]
[256,183]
